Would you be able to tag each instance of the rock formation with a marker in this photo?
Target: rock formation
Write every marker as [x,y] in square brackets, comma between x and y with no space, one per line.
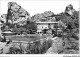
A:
[16,14]
[46,16]
[56,47]
[3,18]
[69,9]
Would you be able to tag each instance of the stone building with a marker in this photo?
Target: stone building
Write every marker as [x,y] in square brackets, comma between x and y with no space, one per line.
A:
[45,25]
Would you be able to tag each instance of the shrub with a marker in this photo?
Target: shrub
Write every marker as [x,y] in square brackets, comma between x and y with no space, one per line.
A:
[33,48]
[38,48]
[14,50]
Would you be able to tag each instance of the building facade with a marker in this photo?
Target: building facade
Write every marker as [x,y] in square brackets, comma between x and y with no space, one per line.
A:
[45,25]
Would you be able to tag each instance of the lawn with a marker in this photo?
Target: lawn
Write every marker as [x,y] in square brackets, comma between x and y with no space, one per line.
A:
[28,37]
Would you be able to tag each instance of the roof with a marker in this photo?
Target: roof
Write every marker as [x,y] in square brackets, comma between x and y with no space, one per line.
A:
[46,22]
[9,32]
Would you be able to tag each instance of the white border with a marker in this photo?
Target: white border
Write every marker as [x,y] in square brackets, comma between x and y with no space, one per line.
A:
[79,26]
[49,55]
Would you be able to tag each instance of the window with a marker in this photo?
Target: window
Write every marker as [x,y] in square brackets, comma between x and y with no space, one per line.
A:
[46,27]
[38,32]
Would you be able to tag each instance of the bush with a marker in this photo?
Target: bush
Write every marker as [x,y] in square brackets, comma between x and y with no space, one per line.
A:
[75,36]
[38,48]
[14,50]
[70,52]
[35,48]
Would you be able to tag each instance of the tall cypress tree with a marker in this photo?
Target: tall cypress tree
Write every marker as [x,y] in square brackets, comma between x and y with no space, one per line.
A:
[9,16]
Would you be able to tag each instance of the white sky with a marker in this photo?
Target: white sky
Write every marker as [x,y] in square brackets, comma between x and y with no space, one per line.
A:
[37,6]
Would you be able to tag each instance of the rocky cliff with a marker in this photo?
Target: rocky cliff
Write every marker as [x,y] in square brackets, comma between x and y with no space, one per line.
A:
[16,14]
[69,9]
[46,16]
[3,18]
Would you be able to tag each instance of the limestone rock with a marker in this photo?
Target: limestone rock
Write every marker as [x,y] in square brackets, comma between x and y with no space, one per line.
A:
[69,9]
[16,14]
[5,47]
[43,16]
[56,47]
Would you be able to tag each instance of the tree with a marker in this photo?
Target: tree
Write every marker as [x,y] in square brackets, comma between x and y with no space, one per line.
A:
[68,20]
[29,28]
[9,15]
[75,17]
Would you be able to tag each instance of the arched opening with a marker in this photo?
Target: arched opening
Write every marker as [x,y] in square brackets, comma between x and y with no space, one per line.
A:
[44,31]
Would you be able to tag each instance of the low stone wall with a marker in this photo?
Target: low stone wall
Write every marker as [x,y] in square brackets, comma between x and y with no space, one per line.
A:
[24,46]
[28,37]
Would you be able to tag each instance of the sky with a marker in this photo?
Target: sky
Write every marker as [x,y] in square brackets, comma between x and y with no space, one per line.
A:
[40,6]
